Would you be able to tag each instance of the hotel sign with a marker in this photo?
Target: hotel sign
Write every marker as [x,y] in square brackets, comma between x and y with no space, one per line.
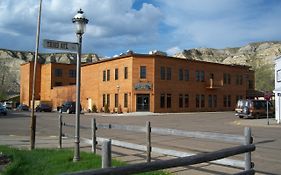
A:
[59,45]
[143,86]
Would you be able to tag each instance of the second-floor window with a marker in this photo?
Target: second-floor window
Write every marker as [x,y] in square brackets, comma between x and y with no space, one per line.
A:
[108,75]
[143,72]
[180,74]
[72,73]
[226,78]
[169,73]
[200,76]
[116,74]
[125,72]
[58,72]
[104,75]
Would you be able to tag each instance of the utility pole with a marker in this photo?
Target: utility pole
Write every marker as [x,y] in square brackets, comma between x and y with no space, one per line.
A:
[33,117]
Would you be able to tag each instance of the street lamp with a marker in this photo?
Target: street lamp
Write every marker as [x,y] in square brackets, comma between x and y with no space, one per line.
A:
[80,21]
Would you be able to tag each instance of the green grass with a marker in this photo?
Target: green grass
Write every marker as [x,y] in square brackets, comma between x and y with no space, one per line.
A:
[51,161]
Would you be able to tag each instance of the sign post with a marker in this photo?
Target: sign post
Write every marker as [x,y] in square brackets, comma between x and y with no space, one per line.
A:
[267,97]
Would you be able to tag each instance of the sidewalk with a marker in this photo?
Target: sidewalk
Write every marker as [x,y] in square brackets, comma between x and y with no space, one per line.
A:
[258,123]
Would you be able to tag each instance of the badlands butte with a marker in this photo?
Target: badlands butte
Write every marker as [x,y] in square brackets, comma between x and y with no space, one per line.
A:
[260,56]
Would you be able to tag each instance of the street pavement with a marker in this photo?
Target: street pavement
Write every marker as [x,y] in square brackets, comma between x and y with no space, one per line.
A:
[14,132]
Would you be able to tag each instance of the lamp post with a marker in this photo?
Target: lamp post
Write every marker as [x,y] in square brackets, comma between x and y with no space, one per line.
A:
[80,21]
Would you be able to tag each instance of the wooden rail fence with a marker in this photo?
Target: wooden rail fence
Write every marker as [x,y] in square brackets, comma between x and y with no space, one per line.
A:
[243,140]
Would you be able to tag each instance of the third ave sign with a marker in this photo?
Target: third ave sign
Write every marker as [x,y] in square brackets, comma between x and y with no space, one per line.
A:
[60,45]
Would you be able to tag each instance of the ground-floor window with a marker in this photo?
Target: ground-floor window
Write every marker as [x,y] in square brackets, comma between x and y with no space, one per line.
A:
[116,101]
[181,101]
[108,100]
[200,101]
[169,100]
[212,101]
[186,100]
[227,100]
[125,100]
[162,101]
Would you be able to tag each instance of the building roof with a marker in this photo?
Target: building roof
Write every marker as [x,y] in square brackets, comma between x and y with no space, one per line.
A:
[161,56]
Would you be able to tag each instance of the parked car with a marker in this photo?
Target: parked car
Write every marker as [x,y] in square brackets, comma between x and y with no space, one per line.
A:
[43,108]
[3,110]
[253,108]
[68,107]
[22,107]
[8,104]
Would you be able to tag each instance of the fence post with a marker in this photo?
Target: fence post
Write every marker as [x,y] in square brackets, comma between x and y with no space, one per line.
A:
[106,154]
[248,140]
[94,136]
[60,130]
[148,141]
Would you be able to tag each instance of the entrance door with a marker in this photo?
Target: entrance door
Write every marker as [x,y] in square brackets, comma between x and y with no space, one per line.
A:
[142,102]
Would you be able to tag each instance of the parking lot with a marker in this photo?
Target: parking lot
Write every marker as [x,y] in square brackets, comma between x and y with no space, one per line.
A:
[267,138]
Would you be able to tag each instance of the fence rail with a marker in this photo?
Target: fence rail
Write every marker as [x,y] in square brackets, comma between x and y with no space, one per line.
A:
[164,164]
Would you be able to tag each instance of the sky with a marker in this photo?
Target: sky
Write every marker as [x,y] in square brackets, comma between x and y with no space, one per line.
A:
[116,26]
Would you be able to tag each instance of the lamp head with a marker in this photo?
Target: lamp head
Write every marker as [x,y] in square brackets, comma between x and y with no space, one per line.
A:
[80,21]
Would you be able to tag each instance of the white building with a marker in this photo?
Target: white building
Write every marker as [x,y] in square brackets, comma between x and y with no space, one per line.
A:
[277,89]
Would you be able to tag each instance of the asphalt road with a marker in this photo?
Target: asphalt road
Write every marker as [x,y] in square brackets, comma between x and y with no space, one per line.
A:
[267,157]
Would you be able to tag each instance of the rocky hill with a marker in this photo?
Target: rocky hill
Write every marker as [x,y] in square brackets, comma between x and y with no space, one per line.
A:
[10,62]
[260,56]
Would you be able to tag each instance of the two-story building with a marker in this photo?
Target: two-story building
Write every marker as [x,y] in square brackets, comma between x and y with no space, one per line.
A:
[155,83]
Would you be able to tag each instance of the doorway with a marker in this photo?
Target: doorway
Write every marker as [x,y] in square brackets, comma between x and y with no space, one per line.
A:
[143,102]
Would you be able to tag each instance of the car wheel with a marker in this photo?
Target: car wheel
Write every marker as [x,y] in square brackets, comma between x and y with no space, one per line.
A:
[240,116]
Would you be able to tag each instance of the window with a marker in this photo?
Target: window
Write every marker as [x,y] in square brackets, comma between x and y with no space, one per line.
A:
[215,101]
[197,76]
[186,100]
[116,74]
[162,73]
[108,100]
[186,75]
[72,83]
[197,101]
[143,72]
[210,101]
[72,73]
[181,101]
[202,101]
[226,78]
[58,83]
[125,100]
[125,72]
[162,101]
[227,101]
[103,100]
[278,75]
[169,100]
[116,101]
[108,75]
[180,74]
[58,72]
[202,76]
[169,73]
[239,79]
[104,75]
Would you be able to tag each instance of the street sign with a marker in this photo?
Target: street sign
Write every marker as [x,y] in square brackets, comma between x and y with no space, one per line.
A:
[60,45]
